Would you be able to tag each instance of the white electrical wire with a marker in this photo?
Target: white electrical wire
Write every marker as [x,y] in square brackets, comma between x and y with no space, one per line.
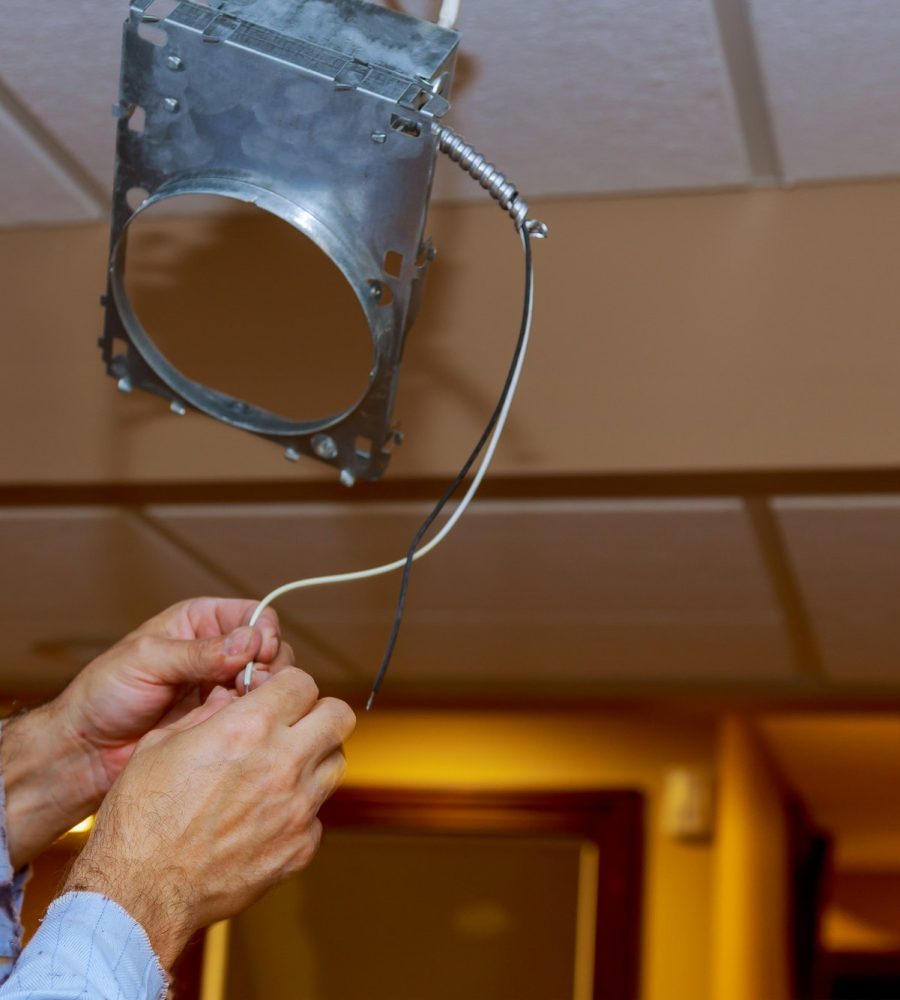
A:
[449,14]
[365,574]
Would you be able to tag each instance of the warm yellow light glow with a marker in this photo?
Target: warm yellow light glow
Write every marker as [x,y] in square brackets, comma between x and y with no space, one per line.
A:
[215,961]
[84,826]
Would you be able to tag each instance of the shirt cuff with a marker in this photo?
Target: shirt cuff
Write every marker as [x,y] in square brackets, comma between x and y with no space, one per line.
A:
[88,945]
[12,890]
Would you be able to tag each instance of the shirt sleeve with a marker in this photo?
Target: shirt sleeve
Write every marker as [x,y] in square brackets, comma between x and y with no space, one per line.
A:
[12,890]
[87,946]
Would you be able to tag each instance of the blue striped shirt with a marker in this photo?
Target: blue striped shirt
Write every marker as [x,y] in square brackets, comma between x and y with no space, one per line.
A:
[87,947]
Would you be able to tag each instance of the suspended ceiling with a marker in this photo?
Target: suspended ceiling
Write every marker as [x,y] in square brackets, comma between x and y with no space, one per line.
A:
[597,96]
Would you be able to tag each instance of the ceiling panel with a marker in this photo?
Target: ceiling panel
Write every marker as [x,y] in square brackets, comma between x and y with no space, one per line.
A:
[844,551]
[833,76]
[596,96]
[74,581]
[62,62]
[35,190]
[588,97]
[548,593]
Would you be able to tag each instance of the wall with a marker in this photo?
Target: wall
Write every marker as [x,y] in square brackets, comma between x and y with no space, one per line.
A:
[704,332]
[750,904]
[632,749]
[863,912]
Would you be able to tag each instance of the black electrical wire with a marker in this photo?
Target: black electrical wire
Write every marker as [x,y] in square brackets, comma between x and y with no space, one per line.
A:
[463,472]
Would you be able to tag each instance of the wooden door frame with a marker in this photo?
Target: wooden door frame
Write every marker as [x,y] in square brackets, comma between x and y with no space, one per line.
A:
[612,820]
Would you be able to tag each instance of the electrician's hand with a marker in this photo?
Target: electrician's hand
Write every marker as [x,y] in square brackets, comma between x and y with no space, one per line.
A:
[217,807]
[60,760]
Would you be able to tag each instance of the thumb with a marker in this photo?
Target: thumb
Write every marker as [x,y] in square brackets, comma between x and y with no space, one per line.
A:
[199,661]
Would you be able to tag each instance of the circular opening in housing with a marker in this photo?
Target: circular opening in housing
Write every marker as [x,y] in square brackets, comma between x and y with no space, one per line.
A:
[239,301]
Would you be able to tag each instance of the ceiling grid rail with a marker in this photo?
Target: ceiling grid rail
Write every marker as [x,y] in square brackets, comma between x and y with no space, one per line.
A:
[45,142]
[741,52]
[786,589]
[354,672]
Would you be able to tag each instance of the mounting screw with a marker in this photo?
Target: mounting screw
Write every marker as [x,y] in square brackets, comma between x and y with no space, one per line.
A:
[292,455]
[375,289]
[177,408]
[175,62]
[324,446]
[379,137]
[171,104]
[398,437]
[347,478]
[124,384]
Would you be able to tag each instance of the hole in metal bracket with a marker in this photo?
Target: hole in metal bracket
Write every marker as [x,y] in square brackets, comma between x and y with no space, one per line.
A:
[150,33]
[137,119]
[393,263]
[363,446]
[381,292]
[135,197]
[406,126]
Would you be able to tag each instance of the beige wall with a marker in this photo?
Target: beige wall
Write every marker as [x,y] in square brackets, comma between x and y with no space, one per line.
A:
[718,331]
[750,904]
[559,751]
[863,912]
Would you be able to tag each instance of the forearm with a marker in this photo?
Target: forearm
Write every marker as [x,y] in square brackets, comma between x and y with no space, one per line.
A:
[159,900]
[48,782]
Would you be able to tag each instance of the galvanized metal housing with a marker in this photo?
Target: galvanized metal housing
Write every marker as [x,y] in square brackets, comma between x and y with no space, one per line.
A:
[319,112]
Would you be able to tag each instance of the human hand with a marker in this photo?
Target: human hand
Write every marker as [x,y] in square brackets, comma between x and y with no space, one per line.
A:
[60,760]
[216,807]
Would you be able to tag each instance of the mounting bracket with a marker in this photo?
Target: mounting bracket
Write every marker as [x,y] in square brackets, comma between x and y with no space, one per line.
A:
[319,112]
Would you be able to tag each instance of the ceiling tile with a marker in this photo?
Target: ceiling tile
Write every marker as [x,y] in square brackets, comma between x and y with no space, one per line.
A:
[34,189]
[832,75]
[844,551]
[74,581]
[591,97]
[551,593]
[62,61]
[588,97]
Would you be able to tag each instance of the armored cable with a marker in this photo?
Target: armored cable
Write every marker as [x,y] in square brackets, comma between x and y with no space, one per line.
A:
[506,194]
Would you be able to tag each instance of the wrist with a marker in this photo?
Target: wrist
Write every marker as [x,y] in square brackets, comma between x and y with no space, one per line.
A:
[47,780]
[152,901]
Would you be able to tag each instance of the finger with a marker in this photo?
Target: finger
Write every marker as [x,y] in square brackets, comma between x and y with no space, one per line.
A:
[195,661]
[180,709]
[218,699]
[325,728]
[329,774]
[208,617]
[261,673]
[212,616]
[287,697]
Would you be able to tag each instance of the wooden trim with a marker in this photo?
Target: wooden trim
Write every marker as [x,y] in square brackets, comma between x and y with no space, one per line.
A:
[613,820]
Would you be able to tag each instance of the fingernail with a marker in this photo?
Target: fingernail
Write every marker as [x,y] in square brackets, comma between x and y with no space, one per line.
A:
[240,640]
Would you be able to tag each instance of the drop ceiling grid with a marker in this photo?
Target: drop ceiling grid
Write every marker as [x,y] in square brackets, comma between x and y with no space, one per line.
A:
[79,579]
[833,76]
[35,189]
[61,60]
[554,592]
[613,98]
[844,553]
[597,97]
